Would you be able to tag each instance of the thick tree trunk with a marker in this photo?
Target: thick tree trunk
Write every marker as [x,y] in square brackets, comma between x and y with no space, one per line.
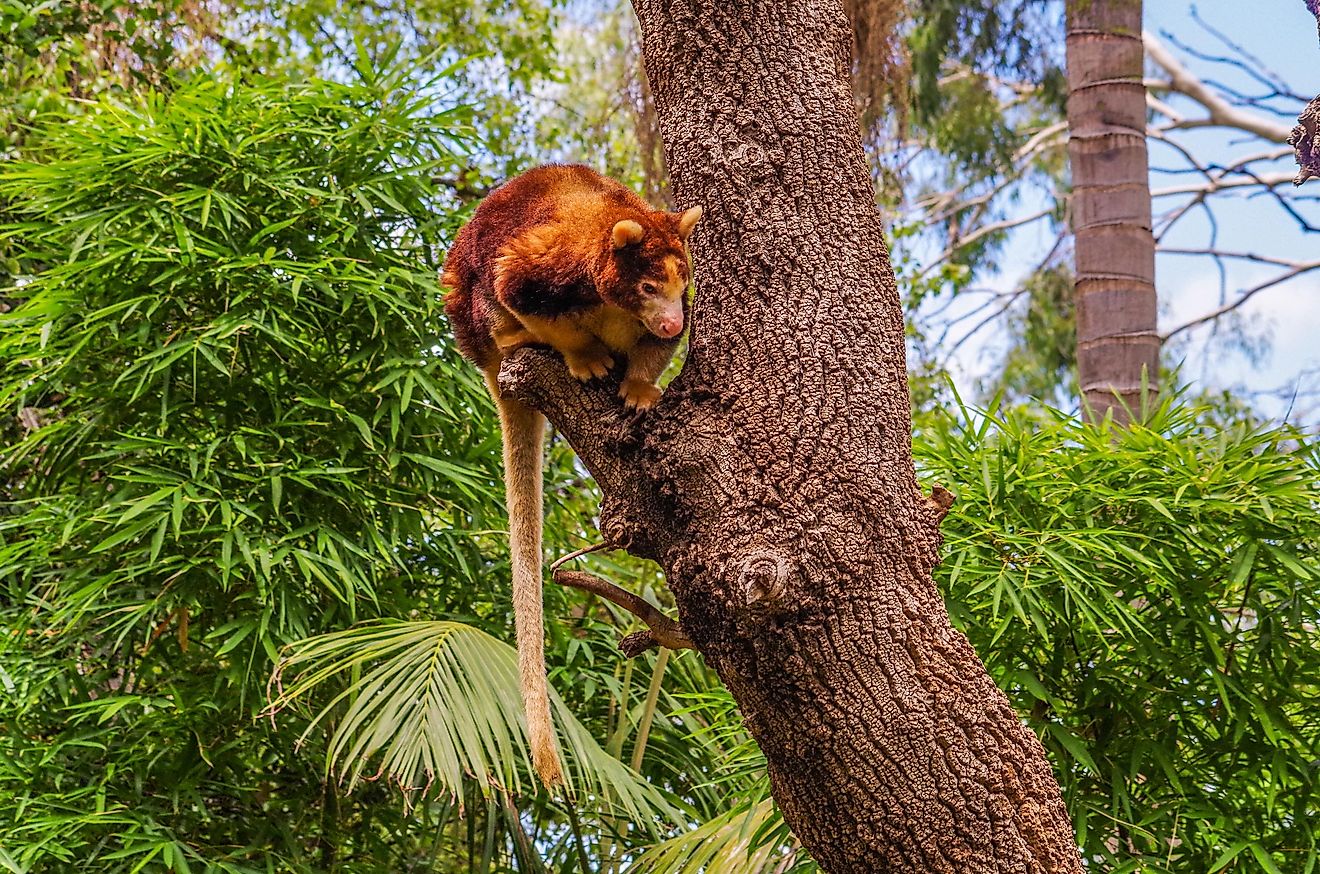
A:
[1118,342]
[774,480]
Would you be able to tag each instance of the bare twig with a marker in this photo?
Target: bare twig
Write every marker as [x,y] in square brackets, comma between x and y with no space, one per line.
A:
[1253,66]
[1219,183]
[1244,256]
[578,553]
[1243,298]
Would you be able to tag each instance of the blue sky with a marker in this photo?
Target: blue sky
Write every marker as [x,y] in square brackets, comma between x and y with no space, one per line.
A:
[1282,33]
[1285,320]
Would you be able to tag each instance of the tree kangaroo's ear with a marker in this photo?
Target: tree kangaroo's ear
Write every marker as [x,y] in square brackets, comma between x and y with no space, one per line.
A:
[687,221]
[626,233]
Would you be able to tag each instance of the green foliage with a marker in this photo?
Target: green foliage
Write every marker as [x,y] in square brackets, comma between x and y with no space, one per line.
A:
[51,51]
[972,128]
[233,429]
[237,430]
[1042,359]
[989,35]
[746,834]
[747,839]
[54,51]
[507,48]
[1149,596]
[514,34]
[987,104]
[439,702]
[601,116]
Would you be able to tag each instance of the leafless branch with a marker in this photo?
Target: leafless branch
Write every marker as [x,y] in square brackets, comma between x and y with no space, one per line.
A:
[1243,298]
[1221,113]
[1245,61]
[1270,180]
[663,631]
[992,228]
[1245,256]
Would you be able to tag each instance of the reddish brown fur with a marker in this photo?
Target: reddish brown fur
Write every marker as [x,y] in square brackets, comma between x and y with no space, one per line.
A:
[554,257]
[540,245]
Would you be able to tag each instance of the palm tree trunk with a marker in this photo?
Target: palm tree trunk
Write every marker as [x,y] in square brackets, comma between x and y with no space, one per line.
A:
[1118,344]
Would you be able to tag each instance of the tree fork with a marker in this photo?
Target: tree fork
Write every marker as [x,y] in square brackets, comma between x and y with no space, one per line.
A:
[774,480]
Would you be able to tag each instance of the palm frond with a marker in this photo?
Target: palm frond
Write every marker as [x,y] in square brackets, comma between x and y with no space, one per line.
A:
[751,838]
[437,702]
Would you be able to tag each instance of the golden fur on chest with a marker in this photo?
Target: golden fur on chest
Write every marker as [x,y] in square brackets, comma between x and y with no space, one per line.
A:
[617,329]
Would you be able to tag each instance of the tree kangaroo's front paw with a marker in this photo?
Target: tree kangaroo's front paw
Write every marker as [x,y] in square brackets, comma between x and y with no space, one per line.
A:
[591,365]
[639,394]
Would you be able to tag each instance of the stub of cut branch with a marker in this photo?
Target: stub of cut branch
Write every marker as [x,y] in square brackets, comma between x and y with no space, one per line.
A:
[661,630]
[940,500]
[1305,140]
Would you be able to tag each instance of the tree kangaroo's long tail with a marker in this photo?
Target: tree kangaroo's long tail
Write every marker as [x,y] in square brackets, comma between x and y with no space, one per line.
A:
[523,430]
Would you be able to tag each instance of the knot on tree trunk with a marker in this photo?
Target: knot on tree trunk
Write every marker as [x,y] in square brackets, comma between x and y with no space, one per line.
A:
[618,525]
[763,578]
[939,502]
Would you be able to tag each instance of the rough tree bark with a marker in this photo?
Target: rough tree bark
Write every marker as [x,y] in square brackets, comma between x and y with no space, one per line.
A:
[774,480]
[1118,341]
[1305,138]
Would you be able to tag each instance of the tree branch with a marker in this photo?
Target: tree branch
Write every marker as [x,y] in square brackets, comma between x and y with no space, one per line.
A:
[663,631]
[1242,298]
[1219,183]
[1222,114]
[607,438]
[589,415]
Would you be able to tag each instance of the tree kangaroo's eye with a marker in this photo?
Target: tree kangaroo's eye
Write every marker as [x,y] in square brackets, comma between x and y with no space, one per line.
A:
[650,287]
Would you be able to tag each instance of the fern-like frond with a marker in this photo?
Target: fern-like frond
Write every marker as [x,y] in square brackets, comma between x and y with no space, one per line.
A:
[751,838]
[434,702]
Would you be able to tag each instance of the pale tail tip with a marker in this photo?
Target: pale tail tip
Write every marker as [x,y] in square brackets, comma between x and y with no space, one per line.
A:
[547,768]
[549,773]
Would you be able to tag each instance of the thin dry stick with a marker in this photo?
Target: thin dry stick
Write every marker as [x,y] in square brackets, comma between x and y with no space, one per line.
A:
[577,553]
